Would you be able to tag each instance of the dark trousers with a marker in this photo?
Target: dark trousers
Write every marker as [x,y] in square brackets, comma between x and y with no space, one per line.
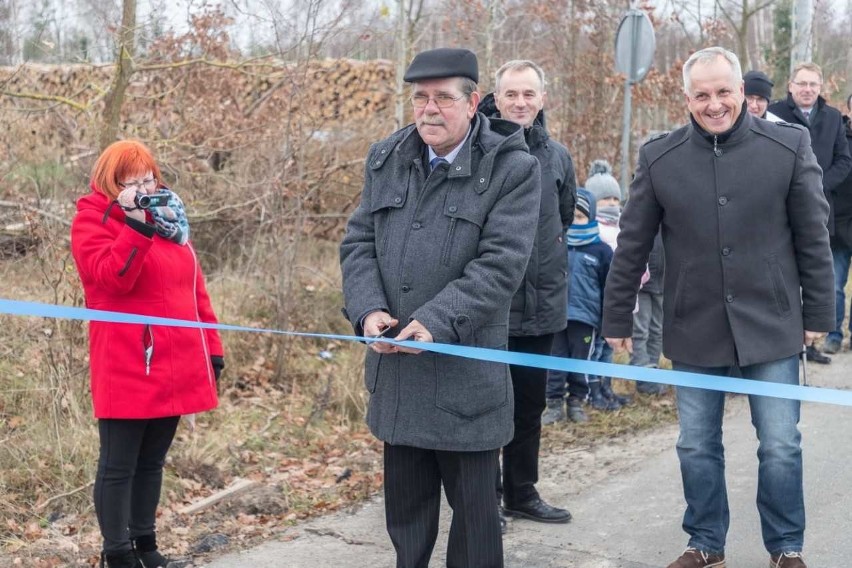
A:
[130,476]
[577,341]
[520,456]
[413,478]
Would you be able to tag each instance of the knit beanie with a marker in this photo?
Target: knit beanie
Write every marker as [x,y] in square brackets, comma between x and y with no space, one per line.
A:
[586,203]
[600,182]
[757,83]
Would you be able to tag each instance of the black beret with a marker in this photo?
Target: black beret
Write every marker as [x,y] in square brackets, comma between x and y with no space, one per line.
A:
[757,83]
[443,62]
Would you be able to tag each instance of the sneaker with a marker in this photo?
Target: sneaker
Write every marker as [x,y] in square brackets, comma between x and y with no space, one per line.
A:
[832,344]
[555,412]
[575,410]
[787,560]
[814,355]
[694,558]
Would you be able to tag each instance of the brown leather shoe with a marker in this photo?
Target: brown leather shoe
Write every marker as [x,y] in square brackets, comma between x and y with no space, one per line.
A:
[694,558]
[787,560]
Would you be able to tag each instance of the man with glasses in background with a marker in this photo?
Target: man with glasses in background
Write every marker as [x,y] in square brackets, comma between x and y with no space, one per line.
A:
[434,252]
[806,106]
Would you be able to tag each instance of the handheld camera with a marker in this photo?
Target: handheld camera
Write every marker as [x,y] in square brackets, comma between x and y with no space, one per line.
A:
[160,199]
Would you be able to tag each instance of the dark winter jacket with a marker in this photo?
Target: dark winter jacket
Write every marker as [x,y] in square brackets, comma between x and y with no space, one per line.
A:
[743,219]
[828,140]
[843,201]
[538,307]
[588,266]
[447,248]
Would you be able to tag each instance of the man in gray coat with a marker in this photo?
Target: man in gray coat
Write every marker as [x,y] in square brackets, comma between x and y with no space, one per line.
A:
[539,306]
[748,279]
[434,252]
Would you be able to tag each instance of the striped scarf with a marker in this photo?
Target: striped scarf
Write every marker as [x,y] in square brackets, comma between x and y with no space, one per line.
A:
[579,235]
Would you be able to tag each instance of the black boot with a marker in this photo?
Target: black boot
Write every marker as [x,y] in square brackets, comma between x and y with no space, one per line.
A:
[598,401]
[120,560]
[146,549]
[606,388]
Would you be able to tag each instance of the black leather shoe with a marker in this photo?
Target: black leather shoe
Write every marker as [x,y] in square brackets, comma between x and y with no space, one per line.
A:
[814,355]
[504,525]
[537,510]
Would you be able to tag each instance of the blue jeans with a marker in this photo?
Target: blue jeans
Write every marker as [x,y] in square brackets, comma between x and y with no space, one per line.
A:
[841,257]
[780,499]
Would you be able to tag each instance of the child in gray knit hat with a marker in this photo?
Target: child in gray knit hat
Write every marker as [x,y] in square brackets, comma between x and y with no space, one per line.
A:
[607,192]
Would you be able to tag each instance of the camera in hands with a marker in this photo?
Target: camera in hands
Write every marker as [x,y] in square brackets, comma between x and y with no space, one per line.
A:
[144,201]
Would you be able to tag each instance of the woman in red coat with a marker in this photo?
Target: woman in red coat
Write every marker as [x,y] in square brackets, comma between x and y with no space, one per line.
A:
[136,257]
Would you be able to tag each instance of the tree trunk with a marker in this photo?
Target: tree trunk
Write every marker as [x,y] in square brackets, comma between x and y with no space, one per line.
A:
[114,99]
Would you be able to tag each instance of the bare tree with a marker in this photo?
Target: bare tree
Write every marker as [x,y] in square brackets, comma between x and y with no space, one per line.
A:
[739,16]
[114,99]
[409,13]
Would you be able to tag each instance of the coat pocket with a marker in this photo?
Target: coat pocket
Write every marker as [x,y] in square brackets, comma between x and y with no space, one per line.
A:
[469,389]
[779,287]
[371,370]
[681,293]
[465,223]
[384,207]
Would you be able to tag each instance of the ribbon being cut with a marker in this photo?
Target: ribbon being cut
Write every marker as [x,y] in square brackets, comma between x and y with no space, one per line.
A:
[675,378]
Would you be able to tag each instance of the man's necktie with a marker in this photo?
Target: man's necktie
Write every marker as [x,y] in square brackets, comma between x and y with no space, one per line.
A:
[807,115]
[437,160]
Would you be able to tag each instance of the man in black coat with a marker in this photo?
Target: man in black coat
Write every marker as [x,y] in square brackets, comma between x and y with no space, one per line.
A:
[841,240]
[748,278]
[539,307]
[805,106]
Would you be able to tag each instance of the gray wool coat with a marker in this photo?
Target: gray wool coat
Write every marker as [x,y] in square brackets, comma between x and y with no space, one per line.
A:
[748,266]
[448,249]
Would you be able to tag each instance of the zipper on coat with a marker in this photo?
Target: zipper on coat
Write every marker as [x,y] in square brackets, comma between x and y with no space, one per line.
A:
[208,364]
[148,347]
[716,151]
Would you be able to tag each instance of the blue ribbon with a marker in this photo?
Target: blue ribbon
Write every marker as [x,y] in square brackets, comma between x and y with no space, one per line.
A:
[675,378]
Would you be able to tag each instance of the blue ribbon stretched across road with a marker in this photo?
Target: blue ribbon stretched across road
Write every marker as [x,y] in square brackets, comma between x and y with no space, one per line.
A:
[676,378]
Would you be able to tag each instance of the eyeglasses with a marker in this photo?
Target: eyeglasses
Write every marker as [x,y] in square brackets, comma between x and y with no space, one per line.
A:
[442,100]
[810,84]
[149,183]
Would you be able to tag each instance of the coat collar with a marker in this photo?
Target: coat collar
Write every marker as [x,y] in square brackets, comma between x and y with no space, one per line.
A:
[487,140]
[731,136]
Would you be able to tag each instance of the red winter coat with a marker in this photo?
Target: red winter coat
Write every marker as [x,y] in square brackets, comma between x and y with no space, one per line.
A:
[123,270]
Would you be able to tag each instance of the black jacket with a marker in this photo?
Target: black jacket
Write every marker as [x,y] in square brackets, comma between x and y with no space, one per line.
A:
[743,219]
[828,140]
[843,201]
[538,307]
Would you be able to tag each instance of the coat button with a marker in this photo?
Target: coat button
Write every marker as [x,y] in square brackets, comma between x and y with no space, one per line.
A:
[481,180]
[416,225]
[397,199]
[458,168]
[726,251]
[723,200]
[405,289]
[729,298]
[453,209]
